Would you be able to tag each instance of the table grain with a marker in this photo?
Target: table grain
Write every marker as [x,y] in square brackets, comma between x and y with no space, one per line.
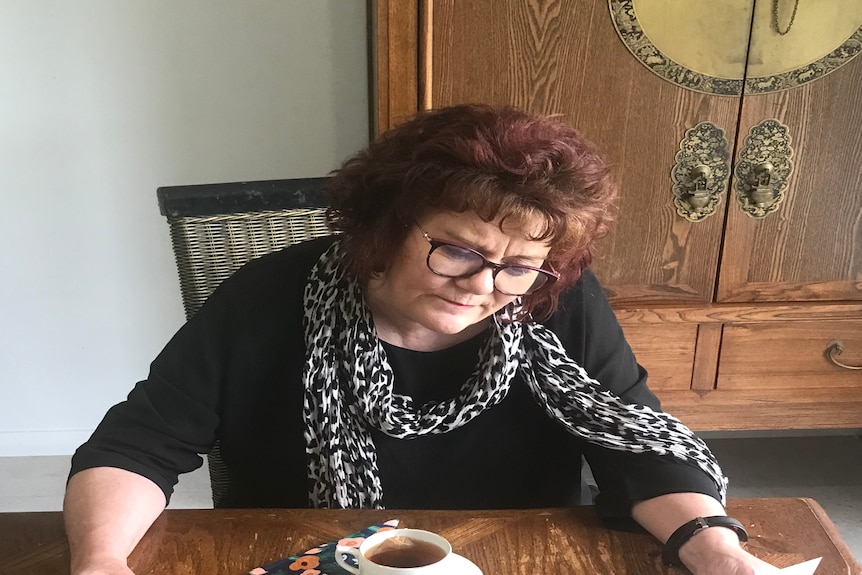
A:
[569,541]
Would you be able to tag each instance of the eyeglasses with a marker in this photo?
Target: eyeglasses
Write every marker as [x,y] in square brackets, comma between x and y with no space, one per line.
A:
[456,261]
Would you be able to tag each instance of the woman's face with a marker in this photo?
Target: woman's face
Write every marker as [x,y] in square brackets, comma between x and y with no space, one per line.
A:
[417,309]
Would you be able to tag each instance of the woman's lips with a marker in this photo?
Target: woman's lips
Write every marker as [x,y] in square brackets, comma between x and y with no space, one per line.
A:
[458,304]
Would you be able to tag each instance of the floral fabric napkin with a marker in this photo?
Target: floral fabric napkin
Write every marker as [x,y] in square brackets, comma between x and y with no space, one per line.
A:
[320,560]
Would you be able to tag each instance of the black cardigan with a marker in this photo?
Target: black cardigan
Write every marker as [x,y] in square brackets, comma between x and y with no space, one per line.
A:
[233,373]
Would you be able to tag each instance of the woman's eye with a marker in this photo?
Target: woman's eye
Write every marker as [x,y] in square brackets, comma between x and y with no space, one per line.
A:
[519,271]
[456,253]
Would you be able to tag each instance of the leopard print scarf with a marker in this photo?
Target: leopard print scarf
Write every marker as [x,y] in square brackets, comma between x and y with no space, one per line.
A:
[348,390]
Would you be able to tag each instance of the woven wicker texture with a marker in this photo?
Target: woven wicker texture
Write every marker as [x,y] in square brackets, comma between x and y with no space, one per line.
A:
[208,249]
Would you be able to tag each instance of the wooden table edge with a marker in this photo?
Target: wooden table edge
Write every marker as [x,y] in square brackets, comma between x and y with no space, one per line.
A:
[854,567]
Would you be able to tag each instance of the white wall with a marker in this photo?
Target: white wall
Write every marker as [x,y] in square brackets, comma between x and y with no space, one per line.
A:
[103,101]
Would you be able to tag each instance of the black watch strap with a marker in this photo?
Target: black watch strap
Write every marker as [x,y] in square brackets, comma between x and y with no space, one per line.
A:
[670,553]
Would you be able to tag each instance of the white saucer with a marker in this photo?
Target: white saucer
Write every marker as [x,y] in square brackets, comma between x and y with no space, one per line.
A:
[462,566]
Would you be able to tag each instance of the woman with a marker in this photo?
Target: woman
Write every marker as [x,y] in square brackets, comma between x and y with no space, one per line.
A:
[449,349]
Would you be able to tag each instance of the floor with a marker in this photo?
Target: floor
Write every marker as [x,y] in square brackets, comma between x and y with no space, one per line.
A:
[825,468]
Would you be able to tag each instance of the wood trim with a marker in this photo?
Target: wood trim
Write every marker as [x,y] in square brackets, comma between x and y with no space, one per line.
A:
[791,291]
[378,16]
[739,313]
[396,62]
[756,409]
[703,376]
[644,294]
[426,54]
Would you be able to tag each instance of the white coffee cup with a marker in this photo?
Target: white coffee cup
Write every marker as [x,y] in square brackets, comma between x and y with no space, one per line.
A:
[425,551]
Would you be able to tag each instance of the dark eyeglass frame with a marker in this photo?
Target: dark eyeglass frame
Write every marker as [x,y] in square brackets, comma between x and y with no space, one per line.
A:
[550,275]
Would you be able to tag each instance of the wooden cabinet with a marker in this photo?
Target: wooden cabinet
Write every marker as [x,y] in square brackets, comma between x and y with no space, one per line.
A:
[693,286]
[748,367]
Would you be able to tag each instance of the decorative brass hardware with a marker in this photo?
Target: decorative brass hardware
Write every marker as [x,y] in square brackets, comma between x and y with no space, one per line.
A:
[820,42]
[715,47]
[834,348]
[701,171]
[665,49]
[775,23]
[761,181]
[763,168]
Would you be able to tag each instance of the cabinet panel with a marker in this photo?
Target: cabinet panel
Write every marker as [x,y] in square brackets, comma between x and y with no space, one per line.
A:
[565,57]
[789,358]
[810,248]
[666,351]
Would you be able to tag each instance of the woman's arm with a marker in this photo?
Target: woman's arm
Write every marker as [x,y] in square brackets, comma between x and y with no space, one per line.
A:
[713,551]
[107,511]
[657,492]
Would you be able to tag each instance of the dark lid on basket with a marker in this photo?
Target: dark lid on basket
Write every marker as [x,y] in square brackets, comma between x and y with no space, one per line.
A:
[236,197]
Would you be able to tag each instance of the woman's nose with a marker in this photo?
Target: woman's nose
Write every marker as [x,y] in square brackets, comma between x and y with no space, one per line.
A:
[482,282]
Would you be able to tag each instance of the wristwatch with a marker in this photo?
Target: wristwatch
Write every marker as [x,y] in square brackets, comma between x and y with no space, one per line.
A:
[670,553]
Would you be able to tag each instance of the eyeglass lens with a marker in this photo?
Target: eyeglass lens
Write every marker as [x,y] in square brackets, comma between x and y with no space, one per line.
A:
[455,261]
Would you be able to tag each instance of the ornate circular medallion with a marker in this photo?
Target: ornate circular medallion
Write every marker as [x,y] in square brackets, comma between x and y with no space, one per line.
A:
[704,46]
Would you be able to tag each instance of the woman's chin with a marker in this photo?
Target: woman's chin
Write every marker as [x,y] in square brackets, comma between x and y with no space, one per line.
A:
[457,326]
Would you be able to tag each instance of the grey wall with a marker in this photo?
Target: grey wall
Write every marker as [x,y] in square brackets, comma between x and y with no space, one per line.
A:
[103,101]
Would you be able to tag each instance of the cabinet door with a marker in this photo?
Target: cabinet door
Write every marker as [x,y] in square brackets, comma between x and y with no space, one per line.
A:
[810,247]
[565,57]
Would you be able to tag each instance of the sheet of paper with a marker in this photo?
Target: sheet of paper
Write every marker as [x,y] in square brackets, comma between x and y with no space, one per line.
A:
[806,568]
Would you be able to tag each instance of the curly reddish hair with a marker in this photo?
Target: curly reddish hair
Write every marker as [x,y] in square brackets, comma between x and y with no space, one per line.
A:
[499,162]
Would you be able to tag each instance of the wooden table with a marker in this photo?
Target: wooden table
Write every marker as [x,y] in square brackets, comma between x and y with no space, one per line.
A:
[548,542]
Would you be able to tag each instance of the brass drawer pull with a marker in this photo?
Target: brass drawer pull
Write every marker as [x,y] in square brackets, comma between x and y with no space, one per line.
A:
[836,347]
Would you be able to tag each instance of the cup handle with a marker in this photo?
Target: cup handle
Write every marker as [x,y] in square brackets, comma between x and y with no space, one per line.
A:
[339,551]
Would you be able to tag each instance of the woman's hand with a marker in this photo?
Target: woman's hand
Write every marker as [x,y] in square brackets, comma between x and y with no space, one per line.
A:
[712,551]
[716,551]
